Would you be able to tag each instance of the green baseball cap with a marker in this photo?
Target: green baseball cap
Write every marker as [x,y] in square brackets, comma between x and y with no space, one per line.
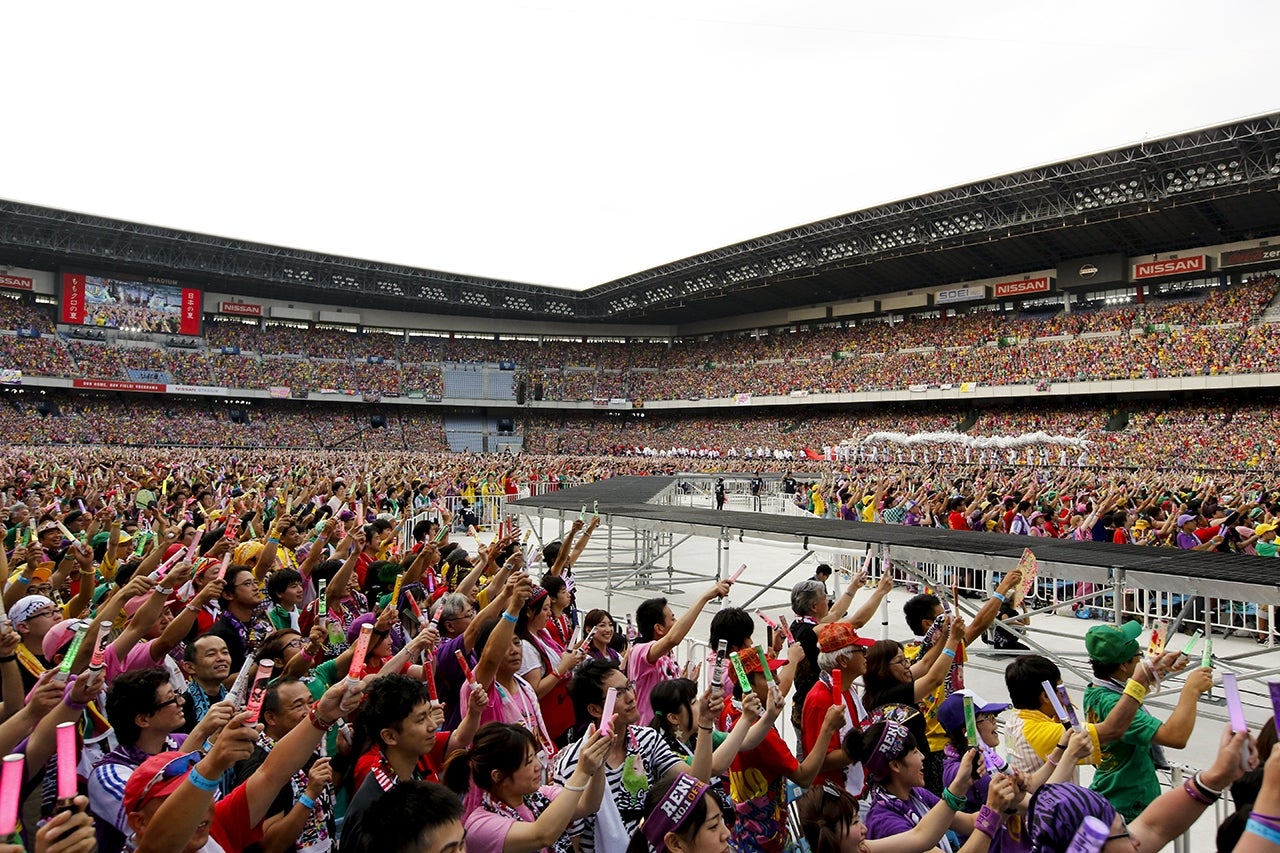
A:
[1112,644]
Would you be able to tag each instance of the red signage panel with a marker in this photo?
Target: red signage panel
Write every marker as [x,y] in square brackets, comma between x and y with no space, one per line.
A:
[73,306]
[16,282]
[244,309]
[118,385]
[1173,266]
[190,323]
[1023,287]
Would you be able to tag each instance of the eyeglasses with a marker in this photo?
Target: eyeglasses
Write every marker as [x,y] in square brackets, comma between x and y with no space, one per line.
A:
[41,613]
[900,662]
[295,643]
[248,582]
[175,700]
[629,687]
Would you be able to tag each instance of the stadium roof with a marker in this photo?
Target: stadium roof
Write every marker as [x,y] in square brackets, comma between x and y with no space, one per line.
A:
[1210,186]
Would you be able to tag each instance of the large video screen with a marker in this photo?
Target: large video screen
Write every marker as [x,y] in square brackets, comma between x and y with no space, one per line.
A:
[119,302]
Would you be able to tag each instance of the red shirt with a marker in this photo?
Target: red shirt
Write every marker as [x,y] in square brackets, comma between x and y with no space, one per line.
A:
[230,827]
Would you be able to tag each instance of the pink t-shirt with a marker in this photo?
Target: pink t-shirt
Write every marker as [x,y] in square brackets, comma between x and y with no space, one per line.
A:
[487,830]
[646,675]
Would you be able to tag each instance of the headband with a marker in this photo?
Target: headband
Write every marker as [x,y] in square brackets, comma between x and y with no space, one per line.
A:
[673,809]
[889,748]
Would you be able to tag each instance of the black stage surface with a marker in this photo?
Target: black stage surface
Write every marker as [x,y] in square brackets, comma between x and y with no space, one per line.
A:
[624,501]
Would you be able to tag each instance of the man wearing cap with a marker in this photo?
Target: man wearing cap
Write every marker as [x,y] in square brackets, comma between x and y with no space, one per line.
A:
[839,648]
[1126,773]
[1187,539]
[1263,540]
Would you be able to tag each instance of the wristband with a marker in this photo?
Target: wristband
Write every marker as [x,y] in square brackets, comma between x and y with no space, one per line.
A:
[272,540]
[306,802]
[1049,760]
[1194,793]
[512,619]
[1062,747]
[194,777]
[192,608]
[999,596]
[163,591]
[314,717]
[8,659]
[66,695]
[987,821]
[1266,821]
[23,580]
[1259,828]
[1135,691]
[577,789]
[951,653]
[207,746]
[1205,788]
[954,802]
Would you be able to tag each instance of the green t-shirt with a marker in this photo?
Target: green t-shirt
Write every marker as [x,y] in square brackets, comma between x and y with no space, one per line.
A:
[321,679]
[1126,775]
[1267,549]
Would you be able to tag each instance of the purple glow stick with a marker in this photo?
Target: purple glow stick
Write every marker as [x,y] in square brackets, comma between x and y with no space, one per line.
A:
[1273,687]
[1071,711]
[1232,692]
[10,793]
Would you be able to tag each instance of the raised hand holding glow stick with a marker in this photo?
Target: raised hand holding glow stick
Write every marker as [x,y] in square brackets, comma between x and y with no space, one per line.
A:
[1071,710]
[717,671]
[240,686]
[259,691]
[1052,693]
[68,660]
[466,667]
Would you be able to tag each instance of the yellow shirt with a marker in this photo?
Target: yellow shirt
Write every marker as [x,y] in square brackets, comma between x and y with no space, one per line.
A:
[1032,735]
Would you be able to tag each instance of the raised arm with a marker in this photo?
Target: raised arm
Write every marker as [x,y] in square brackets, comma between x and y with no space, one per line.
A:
[685,623]
[925,686]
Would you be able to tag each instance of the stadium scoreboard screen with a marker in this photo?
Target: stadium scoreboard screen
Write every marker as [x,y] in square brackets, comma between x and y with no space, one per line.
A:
[130,302]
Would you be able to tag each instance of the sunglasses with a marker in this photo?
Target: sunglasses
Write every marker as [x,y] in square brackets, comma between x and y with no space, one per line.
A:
[179,766]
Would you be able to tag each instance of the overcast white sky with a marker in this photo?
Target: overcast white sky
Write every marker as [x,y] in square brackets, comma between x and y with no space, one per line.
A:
[570,143]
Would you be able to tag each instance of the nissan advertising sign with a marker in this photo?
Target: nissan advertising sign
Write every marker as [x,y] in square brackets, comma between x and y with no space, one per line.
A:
[1171,267]
[1023,287]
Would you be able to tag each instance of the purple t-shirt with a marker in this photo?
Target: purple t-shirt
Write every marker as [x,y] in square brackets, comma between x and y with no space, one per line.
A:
[449,679]
[891,816]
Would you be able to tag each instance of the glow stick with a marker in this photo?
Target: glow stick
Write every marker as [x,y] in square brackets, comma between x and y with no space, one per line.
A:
[955,596]
[1236,711]
[466,668]
[395,590]
[100,646]
[734,577]
[1206,656]
[717,671]
[837,688]
[1191,644]
[606,717]
[259,691]
[786,630]
[66,532]
[417,611]
[743,681]
[1071,711]
[995,764]
[322,601]
[359,651]
[10,793]
[238,687]
[764,664]
[586,641]
[1273,687]
[80,504]
[66,761]
[360,511]
[1231,689]
[970,722]
[429,674]
[768,620]
[527,534]
[582,516]
[64,668]
[1052,693]
[431,582]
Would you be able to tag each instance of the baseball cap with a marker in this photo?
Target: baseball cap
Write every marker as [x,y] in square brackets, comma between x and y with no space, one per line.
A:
[750,660]
[834,636]
[158,776]
[1262,529]
[1184,518]
[60,635]
[1112,644]
[951,711]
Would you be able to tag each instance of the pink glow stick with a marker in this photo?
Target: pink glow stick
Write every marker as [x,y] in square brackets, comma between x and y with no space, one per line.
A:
[100,646]
[786,631]
[606,718]
[767,619]
[359,652]
[10,793]
[733,577]
[261,679]
[586,641]
[222,570]
[66,761]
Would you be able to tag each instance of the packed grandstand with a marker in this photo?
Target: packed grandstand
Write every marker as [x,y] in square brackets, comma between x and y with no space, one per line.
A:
[235,476]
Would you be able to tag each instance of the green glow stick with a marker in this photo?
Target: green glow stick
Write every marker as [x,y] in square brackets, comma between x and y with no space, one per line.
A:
[64,669]
[742,673]
[970,721]
[764,664]
[1191,644]
[1206,657]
